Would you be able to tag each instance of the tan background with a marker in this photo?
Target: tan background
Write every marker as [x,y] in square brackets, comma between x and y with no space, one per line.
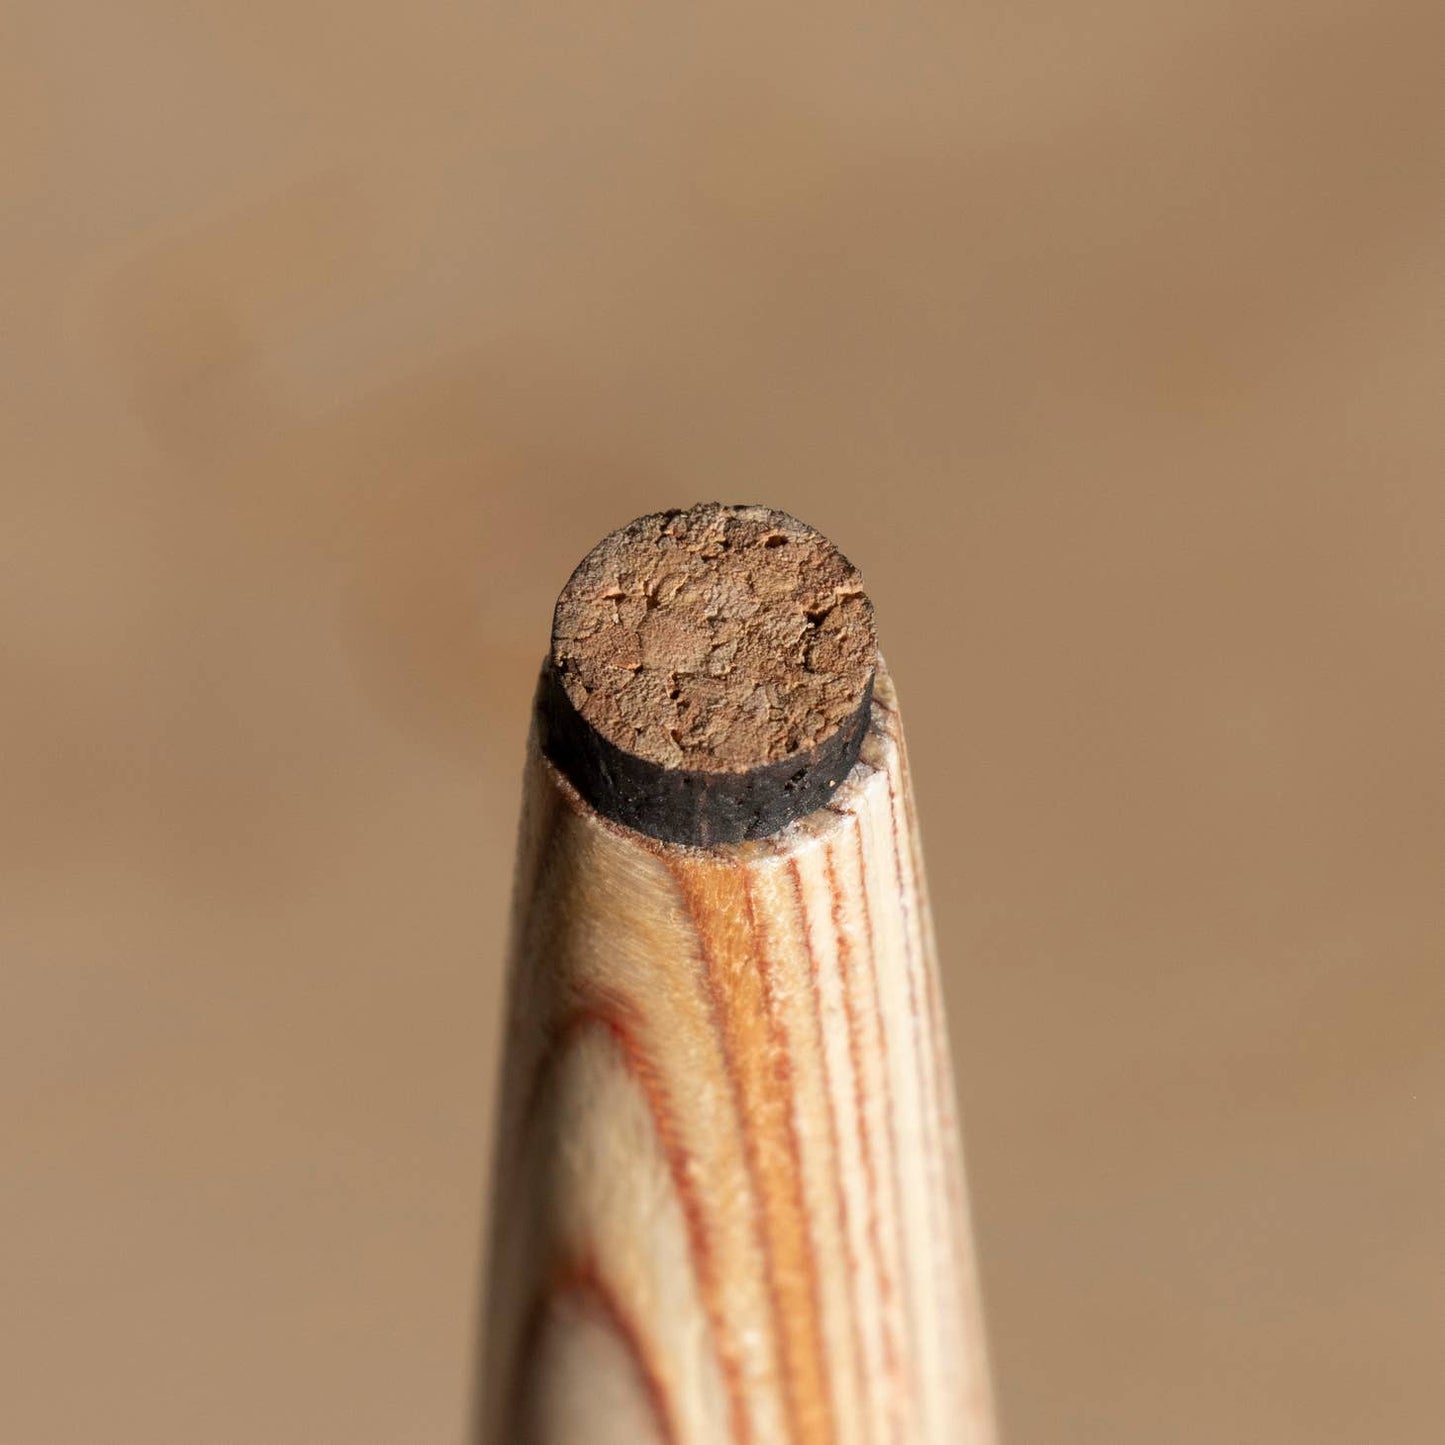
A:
[1109,340]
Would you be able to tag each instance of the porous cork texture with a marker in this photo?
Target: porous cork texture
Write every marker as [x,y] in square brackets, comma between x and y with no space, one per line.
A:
[718,639]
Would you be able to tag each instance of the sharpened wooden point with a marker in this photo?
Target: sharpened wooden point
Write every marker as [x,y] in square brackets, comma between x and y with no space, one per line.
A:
[710,673]
[727,1200]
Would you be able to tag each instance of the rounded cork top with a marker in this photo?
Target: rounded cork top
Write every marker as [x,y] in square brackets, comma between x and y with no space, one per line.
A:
[714,656]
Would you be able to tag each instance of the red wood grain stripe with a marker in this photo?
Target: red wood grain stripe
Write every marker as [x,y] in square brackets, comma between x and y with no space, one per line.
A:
[730,949]
[840,1194]
[599,1009]
[698,904]
[860,1119]
[886,1068]
[581,1282]
[813,1397]
[922,1045]
[937,1014]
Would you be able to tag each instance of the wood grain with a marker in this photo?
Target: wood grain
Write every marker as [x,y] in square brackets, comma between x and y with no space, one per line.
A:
[728,1201]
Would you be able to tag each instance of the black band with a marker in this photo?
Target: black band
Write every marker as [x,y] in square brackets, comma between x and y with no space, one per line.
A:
[695,808]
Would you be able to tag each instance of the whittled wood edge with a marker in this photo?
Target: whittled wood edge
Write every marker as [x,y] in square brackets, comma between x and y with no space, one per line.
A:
[728,1202]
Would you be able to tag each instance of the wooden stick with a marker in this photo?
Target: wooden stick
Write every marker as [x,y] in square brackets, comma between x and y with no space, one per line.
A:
[728,1203]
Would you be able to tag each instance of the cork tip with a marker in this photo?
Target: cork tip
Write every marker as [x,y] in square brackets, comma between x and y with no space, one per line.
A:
[710,673]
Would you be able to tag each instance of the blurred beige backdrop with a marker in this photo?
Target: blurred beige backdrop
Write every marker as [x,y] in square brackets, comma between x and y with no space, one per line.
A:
[1109,340]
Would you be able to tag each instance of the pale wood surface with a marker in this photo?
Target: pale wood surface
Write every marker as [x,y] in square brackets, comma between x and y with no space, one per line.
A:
[729,1202]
